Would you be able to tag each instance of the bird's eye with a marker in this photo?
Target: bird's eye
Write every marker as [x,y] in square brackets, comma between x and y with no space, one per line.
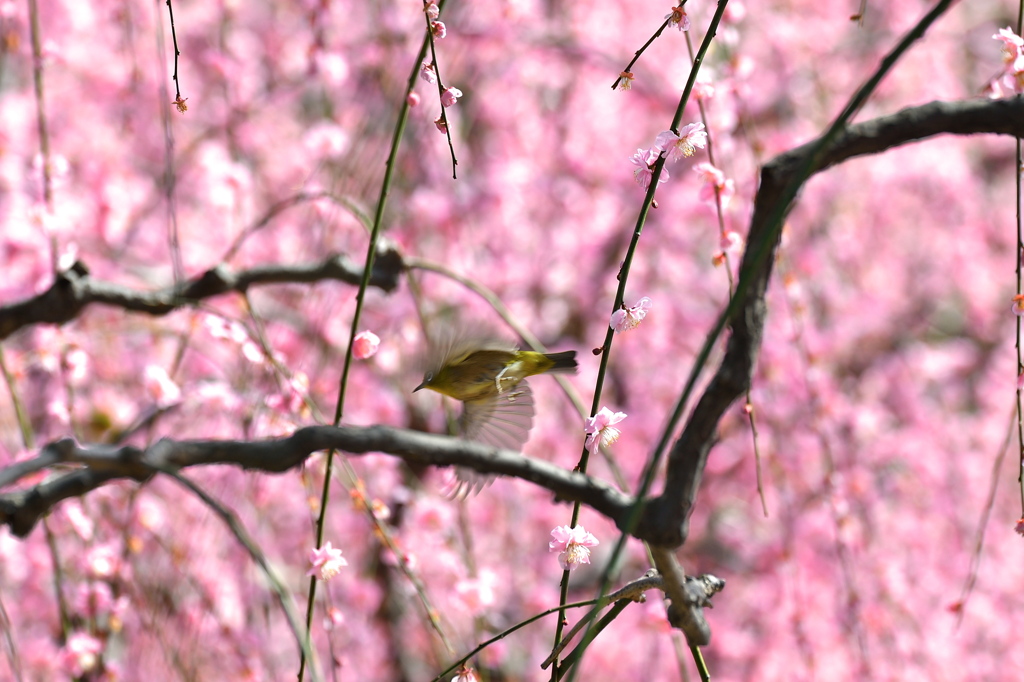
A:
[430,377]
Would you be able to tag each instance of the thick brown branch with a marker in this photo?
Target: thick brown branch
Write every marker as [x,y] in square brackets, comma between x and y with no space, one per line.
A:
[102,463]
[75,289]
[666,517]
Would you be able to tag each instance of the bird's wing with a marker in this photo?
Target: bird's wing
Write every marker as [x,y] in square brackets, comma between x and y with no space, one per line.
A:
[503,420]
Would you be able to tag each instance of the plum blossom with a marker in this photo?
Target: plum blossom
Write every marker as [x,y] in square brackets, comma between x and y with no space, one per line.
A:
[450,96]
[626,79]
[326,562]
[600,429]
[625,319]
[81,654]
[573,546]
[466,675]
[1013,44]
[1013,58]
[1018,305]
[679,18]
[427,73]
[438,29]
[714,179]
[684,143]
[365,345]
[441,124]
[644,161]
[413,99]
[432,10]
[161,387]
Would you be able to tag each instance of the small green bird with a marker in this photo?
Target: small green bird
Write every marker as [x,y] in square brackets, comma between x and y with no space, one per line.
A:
[488,377]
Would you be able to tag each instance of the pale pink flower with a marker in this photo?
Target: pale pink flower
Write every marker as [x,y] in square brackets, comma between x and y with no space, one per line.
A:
[677,146]
[326,140]
[703,90]
[334,618]
[326,562]
[1013,44]
[714,179]
[365,345]
[626,79]
[441,124]
[644,161]
[450,96]
[573,546]
[81,654]
[600,429]
[731,242]
[427,73]
[678,19]
[413,99]
[438,29]
[431,10]
[625,319]
[466,675]
[160,386]
[1018,305]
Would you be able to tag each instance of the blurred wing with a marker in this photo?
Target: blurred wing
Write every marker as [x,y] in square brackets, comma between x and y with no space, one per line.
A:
[502,421]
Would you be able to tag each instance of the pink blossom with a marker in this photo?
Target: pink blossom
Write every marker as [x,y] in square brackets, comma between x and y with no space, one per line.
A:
[644,161]
[427,73]
[160,386]
[573,546]
[625,319]
[466,674]
[431,9]
[1018,305]
[441,124]
[413,99]
[438,29]
[1013,45]
[677,146]
[450,96]
[626,79]
[679,19]
[715,182]
[365,345]
[703,90]
[81,654]
[600,429]
[326,562]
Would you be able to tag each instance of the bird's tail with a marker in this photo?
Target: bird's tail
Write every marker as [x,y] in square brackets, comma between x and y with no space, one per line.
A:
[565,362]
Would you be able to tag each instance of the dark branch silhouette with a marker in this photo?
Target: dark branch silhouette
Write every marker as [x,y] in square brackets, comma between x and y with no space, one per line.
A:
[74,289]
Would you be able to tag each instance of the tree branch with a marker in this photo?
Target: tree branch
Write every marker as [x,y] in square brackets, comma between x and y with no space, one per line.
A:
[102,463]
[74,289]
[665,519]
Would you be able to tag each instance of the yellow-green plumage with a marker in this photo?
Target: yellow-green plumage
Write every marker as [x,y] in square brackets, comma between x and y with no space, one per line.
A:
[488,376]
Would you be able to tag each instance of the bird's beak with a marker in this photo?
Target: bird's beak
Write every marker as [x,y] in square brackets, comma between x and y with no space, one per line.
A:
[423,385]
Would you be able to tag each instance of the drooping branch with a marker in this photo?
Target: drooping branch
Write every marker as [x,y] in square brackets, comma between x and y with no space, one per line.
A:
[102,463]
[666,516]
[74,289]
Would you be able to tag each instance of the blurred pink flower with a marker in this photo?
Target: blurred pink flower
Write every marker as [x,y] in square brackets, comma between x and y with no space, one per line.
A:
[432,11]
[427,73]
[714,180]
[160,386]
[81,654]
[678,19]
[573,546]
[326,562]
[1018,305]
[600,432]
[626,79]
[413,99]
[365,345]
[625,319]
[441,124]
[450,96]
[1013,45]
[466,675]
[438,29]
[644,161]
[677,146]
